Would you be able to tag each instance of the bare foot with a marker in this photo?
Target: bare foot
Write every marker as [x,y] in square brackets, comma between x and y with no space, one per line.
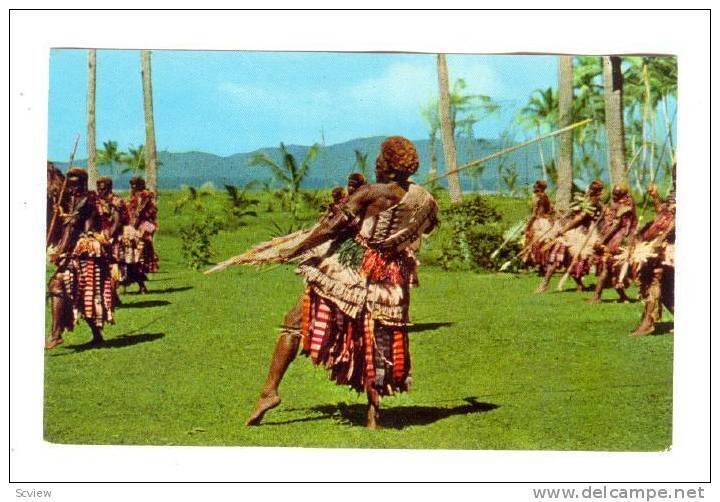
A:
[643,330]
[373,419]
[541,288]
[593,300]
[264,404]
[53,342]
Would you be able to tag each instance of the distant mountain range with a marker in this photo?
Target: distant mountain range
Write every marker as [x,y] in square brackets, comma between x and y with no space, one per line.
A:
[330,168]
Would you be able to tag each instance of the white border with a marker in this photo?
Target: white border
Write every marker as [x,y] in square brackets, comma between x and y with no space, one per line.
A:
[33,33]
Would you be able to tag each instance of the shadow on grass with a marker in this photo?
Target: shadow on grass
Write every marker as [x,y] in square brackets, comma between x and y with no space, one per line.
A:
[144,304]
[573,289]
[161,291]
[664,328]
[391,418]
[427,326]
[113,343]
[615,300]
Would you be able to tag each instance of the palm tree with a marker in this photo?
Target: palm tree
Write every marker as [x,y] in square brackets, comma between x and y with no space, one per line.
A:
[588,103]
[614,118]
[541,111]
[447,130]
[91,166]
[287,172]
[109,155]
[193,197]
[565,118]
[150,150]
[240,203]
[134,160]
[650,80]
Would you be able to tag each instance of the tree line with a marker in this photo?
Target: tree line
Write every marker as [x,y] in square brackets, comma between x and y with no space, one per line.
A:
[623,96]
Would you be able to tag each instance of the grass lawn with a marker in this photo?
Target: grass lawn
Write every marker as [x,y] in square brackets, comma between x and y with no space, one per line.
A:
[494,366]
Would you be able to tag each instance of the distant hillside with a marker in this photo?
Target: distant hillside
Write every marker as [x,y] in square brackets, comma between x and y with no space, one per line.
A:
[330,168]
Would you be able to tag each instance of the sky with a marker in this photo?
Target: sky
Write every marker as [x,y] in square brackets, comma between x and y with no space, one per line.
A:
[227,102]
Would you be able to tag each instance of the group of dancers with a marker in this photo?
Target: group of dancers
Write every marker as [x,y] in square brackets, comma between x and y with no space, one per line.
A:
[605,237]
[97,242]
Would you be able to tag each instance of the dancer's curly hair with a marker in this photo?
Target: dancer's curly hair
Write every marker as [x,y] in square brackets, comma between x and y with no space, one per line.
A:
[595,188]
[398,154]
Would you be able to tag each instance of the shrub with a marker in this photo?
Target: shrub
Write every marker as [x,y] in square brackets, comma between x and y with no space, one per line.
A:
[473,233]
[195,241]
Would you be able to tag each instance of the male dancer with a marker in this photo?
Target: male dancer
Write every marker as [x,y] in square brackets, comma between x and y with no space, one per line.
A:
[353,316]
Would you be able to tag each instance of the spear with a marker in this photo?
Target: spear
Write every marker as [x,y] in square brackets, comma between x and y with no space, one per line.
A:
[505,151]
[51,227]
[576,258]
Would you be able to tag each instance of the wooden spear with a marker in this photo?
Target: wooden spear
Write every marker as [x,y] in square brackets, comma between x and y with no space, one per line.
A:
[56,210]
[505,151]
[576,258]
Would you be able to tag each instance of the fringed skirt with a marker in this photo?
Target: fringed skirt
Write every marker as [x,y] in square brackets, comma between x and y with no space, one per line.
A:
[137,249]
[359,352]
[87,285]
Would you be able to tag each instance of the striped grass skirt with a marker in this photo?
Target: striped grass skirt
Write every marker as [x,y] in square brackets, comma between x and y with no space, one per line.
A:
[88,285]
[359,352]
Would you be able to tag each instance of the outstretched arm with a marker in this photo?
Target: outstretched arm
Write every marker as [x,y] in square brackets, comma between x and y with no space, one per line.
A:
[346,218]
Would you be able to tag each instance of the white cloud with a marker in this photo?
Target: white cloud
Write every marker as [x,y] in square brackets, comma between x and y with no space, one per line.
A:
[384,103]
[403,87]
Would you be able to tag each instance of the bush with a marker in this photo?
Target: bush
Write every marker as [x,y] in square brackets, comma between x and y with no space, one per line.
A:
[195,241]
[473,233]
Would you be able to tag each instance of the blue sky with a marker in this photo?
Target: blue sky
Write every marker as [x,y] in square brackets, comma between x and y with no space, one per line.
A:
[225,102]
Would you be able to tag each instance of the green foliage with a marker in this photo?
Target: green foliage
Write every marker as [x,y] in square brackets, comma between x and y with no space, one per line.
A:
[361,162]
[192,198]
[350,253]
[109,155]
[468,224]
[541,112]
[134,160]
[239,204]
[195,241]
[553,372]
[288,173]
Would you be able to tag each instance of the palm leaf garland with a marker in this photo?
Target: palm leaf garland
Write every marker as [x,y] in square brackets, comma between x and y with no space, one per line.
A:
[582,203]
[350,253]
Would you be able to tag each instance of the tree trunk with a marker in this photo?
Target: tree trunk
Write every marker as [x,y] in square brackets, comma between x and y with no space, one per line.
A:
[542,156]
[565,117]
[150,148]
[91,154]
[447,131]
[614,125]
[668,127]
[433,155]
[646,109]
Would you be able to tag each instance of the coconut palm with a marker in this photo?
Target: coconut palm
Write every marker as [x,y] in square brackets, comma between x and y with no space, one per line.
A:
[287,172]
[150,150]
[193,197]
[447,128]
[541,113]
[614,118]
[109,155]
[240,202]
[134,160]
[91,165]
[565,118]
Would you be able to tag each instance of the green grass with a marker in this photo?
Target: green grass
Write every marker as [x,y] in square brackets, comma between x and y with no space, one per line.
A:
[494,366]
